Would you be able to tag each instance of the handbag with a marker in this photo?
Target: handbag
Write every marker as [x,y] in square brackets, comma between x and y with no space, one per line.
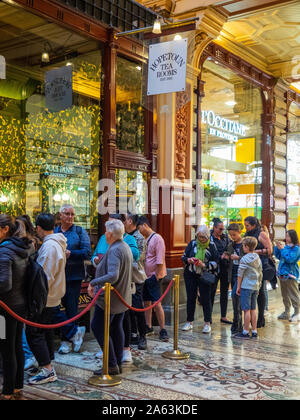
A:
[208,278]
[269,269]
[138,273]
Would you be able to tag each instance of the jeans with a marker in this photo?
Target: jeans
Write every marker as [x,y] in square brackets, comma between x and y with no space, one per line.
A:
[193,283]
[41,340]
[224,286]
[70,303]
[138,321]
[237,311]
[116,335]
[11,350]
[27,352]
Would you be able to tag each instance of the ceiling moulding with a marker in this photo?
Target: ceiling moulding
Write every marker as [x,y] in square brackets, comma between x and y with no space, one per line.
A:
[163,7]
[262,9]
[242,52]
[185,6]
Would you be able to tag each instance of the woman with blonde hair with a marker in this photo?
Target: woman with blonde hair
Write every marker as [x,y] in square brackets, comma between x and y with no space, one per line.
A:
[201,266]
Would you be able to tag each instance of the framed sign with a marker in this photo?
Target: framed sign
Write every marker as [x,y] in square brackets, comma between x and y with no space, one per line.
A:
[2,67]
[58,88]
[167,67]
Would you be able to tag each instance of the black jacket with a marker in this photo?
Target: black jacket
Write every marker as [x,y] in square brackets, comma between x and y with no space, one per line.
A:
[211,257]
[14,253]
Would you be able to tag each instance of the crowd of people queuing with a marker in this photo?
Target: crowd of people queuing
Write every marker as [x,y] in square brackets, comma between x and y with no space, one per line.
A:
[131,256]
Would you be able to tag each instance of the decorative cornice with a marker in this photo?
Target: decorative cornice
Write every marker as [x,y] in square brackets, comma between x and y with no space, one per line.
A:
[238,65]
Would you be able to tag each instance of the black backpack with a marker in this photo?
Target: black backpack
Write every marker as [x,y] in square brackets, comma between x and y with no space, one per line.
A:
[36,288]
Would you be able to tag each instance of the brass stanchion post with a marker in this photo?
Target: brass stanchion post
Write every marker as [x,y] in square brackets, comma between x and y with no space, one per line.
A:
[176,354]
[106,379]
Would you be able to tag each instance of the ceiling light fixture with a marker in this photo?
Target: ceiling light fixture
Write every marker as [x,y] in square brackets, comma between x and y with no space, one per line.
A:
[230,103]
[156,26]
[177,37]
[45,57]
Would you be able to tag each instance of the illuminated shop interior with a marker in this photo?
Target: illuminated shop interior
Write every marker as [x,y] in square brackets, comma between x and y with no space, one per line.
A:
[231,146]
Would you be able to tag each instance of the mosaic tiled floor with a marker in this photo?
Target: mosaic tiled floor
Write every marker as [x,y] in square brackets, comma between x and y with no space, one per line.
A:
[220,367]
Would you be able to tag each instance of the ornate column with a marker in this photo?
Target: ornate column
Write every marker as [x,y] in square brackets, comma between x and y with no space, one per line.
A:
[278,202]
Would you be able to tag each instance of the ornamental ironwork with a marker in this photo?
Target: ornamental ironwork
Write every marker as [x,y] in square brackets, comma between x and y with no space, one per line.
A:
[125,15]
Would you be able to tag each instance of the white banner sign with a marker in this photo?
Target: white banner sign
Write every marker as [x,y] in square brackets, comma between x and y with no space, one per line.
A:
[167,67]
[2,67]
[58,88]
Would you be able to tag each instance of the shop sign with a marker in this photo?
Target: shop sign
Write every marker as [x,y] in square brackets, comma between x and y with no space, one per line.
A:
[222,127]
[167,67]
[58,88]
[57,170]
[2,67]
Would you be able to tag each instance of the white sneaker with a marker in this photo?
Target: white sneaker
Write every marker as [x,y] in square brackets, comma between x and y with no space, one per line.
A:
[30,363]
[187,326]
[206,329]
[295,318]
[99,355]
[127,358]
[77,340]
[65,347]
[43,377]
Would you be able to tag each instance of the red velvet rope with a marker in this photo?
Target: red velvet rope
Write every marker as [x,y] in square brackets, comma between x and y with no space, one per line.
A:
[53,326]
[50,326]
[149,307]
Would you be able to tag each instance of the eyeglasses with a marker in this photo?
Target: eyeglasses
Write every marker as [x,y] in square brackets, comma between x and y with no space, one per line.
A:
[68,214]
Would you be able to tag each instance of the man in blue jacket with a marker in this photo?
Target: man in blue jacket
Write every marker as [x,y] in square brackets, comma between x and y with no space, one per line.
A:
[78,250]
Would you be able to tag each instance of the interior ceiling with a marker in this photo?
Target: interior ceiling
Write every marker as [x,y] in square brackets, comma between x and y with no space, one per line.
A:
[264,32]
[271,36]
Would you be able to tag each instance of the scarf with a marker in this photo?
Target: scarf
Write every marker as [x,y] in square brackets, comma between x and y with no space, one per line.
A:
[201,248]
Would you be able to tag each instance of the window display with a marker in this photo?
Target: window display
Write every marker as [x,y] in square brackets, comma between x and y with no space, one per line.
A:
[231,137]
[49,155]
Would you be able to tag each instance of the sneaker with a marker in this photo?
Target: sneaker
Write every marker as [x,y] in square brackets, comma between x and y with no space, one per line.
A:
[163,335]
[127,357]
[284,316]
[243,336]
[43,377]
[30,363]
[78,339]
[142,343]
[134,340]
[33,371]
[206,329]
[149,330]
[187,326]
[295,318]
[99,355]
[254,335]
[65,347]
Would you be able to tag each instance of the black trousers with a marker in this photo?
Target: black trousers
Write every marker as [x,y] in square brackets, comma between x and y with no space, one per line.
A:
[261,304]
[224,287]
[41,341]
[11,350]
[138,321]
[193,283]
[127,328]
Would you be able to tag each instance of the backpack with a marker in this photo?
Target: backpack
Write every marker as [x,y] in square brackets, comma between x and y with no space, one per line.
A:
[36,288]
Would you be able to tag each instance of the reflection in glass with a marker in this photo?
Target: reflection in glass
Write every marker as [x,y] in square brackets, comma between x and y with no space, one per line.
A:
[130,113]
[231,146]
[48,158]
[293,168]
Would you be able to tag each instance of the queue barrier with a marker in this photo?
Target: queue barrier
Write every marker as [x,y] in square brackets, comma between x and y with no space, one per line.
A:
[105,380]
